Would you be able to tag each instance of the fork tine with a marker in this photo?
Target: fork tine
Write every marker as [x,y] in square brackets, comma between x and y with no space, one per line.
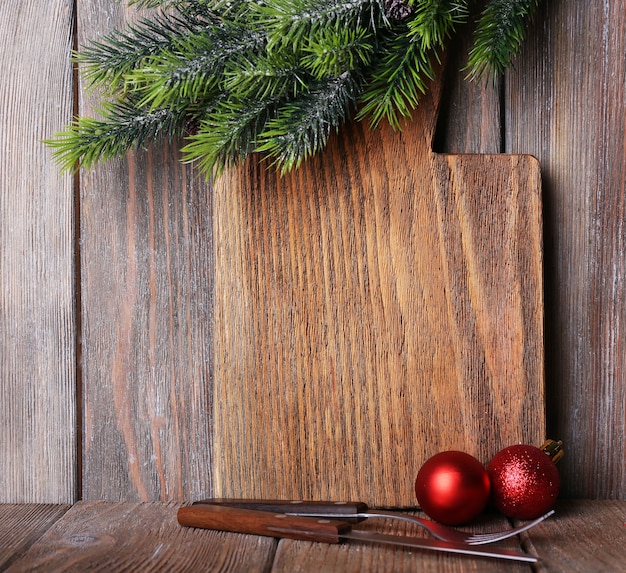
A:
[482,538]
[514,531]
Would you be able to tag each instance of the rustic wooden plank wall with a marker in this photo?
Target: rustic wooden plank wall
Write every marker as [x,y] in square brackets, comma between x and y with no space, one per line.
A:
[37,311]
[147,364]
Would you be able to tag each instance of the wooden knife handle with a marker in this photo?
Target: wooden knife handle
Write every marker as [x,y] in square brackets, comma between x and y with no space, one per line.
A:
[345,510]
[270,524]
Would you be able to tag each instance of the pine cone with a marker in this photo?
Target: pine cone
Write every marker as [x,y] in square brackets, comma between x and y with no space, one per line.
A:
[397,9]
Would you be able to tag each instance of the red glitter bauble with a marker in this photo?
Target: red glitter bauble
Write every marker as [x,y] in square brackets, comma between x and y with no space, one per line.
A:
[524,481]
[452,487]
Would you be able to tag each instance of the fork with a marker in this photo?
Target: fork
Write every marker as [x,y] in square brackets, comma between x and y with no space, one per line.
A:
[446,533]
[358,511]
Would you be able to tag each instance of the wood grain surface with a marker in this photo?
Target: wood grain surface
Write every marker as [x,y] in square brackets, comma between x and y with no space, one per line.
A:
[302,557]
[21,525]
[380,305]
[146,275]
[582,536]
[566,104]
[38,427]
[470,116]
[100,536]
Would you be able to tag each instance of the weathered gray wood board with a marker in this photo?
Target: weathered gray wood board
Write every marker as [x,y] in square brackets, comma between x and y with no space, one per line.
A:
[584,536]
[146,270]
[37,312]
[100,536]
[566,104]
[21,525]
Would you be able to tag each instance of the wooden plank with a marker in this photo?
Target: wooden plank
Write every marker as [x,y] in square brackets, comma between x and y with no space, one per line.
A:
[565,102]
[301,556]
[381,304]
[583,536]
[100,536]
[37,310]
[146,254]
[21,525]
[470,120]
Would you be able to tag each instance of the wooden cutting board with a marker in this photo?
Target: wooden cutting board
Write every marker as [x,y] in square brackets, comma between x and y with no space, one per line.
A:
[379,305]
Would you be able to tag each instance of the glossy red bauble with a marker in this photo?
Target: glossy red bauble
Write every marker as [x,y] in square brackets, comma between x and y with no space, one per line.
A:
[524,481]
[452,487]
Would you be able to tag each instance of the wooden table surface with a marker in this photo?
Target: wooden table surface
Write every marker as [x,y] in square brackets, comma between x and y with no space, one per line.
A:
[583,536]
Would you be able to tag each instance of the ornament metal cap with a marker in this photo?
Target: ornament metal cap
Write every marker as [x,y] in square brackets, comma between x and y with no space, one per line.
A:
[554,449]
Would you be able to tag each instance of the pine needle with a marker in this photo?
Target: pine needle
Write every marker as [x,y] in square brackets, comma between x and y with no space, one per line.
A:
[302,127]
[121,127]
[434,21]
[228,134]
[397,83]
[500,32]
[105,62]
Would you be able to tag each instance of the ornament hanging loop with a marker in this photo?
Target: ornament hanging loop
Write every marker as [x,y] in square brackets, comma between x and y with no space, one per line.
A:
[554,449]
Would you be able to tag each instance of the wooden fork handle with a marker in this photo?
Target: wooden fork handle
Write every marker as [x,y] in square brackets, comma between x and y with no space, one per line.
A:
[270,524]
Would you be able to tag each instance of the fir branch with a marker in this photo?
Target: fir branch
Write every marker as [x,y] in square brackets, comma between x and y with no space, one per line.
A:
[273,76]
[499,34]
[122,127]
[107,61]
[230,10]
[292,22]
[196,6]
[433,21]
[155,3]
[397,82]
[302,126]
[194,69]
[332,53]
[228,134]
[265,76]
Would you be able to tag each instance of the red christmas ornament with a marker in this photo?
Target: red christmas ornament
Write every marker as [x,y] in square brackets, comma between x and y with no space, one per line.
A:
[525,480]
[452,487]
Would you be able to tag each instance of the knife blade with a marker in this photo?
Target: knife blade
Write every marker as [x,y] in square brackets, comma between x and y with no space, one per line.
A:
[349,511]
[281,525]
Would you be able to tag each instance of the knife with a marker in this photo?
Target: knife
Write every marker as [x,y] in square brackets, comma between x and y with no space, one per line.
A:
[350,511]
[282,525]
